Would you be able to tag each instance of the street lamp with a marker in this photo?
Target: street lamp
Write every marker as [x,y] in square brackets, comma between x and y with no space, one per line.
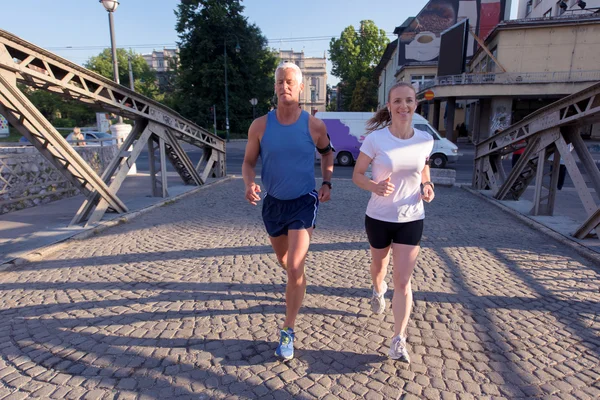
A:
[237,50]
[253,101]
[111,6]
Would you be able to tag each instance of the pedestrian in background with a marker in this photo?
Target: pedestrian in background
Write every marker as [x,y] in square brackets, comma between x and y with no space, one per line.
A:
[78,137]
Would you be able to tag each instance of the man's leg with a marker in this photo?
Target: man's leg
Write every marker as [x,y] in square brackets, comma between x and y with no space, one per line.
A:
[298,242]
[280,246]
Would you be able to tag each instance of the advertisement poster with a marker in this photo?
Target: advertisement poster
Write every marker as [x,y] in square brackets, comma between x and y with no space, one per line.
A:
[3,127]
[420,41]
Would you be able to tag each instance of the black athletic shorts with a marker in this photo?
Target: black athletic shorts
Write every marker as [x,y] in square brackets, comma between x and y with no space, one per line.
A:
[381,233]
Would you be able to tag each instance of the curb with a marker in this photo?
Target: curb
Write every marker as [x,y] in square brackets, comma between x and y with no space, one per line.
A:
[590,255]
[39,254]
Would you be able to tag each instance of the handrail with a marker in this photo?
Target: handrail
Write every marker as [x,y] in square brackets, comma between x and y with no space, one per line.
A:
[504,78]
[41,68]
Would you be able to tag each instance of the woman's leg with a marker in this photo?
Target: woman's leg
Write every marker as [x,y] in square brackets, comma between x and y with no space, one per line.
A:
[380,258]
[405,258]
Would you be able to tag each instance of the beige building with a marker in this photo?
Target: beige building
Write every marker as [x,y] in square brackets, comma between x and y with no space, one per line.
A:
[314,73]
[554,8]
[537,61]
[164,63]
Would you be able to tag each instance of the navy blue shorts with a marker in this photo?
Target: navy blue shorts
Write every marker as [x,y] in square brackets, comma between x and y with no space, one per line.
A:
[281,215]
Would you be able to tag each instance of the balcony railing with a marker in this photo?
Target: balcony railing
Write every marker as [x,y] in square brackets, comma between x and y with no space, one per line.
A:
[508,78]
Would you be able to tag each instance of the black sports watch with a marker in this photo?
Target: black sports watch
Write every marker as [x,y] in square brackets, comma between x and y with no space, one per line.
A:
[326,183]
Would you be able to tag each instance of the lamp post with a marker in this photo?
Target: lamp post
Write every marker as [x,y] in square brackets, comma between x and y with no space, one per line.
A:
[253,101]
[237,50]
[111,6]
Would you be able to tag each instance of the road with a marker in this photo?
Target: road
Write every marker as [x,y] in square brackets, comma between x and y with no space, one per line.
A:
[235,157]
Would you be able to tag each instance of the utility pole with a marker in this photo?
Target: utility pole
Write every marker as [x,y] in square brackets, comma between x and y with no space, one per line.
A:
[130,73]
[214,107]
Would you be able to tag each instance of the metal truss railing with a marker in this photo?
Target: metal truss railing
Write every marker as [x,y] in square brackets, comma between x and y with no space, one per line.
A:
[23,62]
[545,132]
[508,78]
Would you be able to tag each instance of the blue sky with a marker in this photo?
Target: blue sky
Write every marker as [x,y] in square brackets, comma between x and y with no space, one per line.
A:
[78,29]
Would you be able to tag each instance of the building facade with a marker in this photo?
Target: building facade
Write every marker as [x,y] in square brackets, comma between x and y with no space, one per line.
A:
[414,56]
[314,75]
[528,64]
[554,8]
[164,63]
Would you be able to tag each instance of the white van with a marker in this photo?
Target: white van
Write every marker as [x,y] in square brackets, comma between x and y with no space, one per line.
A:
[347,131]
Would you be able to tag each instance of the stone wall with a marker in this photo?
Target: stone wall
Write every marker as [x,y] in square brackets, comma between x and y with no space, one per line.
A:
[27,179]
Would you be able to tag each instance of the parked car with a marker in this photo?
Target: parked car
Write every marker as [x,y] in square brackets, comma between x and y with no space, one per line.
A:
[347,131]
[93,138]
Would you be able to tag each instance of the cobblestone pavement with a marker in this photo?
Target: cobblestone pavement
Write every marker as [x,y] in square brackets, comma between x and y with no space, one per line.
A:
[185,302]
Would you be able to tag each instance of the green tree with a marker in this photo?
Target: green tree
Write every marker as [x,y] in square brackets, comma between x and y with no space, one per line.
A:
[60,111]
[364,96]
[144,79]
[205,27]
[354,56]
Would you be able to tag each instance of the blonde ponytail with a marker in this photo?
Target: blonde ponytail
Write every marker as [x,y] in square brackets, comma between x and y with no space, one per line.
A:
[381,119]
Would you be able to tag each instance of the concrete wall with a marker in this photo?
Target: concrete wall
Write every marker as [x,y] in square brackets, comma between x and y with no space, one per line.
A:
[482,129]
[543,49]
[500,114]
[387,78]
[27,179]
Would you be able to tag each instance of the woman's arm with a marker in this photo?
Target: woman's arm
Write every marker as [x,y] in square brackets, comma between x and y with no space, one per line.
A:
[428,193]
[383,188]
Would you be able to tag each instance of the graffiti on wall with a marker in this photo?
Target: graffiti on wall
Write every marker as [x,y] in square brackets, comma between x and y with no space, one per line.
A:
[500,119]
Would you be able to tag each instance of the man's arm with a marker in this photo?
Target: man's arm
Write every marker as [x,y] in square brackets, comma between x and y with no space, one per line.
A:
[318,131]
[251,157]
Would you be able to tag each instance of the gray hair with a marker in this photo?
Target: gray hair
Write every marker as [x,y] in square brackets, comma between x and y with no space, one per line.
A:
[289,65]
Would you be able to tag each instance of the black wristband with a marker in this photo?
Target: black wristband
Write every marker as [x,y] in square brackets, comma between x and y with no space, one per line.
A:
[326,183]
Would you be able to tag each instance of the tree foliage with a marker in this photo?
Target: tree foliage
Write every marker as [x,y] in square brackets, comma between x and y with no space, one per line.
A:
[60,111]
[354,56]
[144,78]
[208,28]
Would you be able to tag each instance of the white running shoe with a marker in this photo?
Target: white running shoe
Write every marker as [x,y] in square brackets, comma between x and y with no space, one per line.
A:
[398,349]
[378,300]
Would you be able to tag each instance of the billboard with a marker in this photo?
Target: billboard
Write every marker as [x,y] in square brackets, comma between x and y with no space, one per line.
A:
[453,49]
[421,40]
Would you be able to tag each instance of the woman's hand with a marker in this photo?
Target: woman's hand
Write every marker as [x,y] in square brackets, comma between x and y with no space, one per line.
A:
[384,188]
[428,193]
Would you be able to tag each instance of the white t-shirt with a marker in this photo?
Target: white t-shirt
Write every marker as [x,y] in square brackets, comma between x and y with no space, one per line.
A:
[402,160]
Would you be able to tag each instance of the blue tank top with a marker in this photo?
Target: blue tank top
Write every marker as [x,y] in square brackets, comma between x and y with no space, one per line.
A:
[288,158]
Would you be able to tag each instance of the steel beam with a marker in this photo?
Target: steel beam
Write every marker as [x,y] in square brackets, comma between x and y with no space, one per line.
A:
[22,114]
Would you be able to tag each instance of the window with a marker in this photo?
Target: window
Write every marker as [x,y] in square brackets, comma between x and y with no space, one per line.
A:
[428,129]
[420,80]
[549,13]
[529,7]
